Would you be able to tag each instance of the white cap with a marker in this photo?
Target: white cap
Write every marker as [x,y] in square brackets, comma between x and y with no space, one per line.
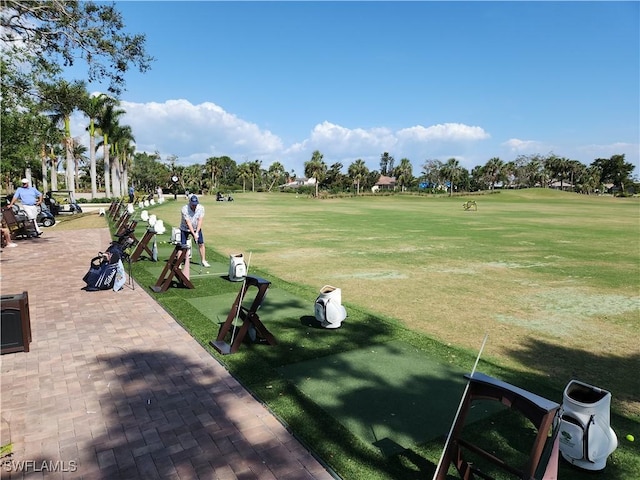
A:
[25,180]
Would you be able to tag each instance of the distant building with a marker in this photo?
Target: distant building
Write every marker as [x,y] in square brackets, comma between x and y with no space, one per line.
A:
[386,183]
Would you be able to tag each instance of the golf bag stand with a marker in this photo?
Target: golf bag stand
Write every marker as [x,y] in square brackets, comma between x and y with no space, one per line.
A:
[542,413]
[179,256]
[251,323]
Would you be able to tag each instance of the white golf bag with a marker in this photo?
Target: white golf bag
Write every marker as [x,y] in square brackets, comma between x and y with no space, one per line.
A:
[328,307]
[586,439]
[237,267]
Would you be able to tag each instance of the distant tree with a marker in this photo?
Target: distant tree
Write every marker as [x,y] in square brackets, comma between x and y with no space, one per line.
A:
[148,172]
[123,148]
[193,177]
[334,179]
[276,174]
[255,169]
[559,168]
[386,164]
[494,171]
[92,106]
[432,173]
[244,173]
[404,174]
[370,179]
[107,123]
[451,171]
[23,135]
[79,158]
[358,171]
[316,168]
[61,100]
[614,170]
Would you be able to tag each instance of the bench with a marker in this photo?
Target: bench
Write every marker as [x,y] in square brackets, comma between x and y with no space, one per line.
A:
[18,223]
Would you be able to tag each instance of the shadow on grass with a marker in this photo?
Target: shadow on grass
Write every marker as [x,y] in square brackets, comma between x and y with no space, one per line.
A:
[615,373]
[299,340]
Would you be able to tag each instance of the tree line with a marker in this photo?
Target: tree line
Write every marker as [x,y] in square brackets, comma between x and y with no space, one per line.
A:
[40,38]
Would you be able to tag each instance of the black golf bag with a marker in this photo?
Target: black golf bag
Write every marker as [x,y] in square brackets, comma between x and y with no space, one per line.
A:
[106,271]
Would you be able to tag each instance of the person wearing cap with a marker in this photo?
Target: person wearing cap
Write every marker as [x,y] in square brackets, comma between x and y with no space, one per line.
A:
[191,224]
[30,198]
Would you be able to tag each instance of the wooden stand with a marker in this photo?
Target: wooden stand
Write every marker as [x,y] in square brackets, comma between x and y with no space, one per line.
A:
[540,411]
[123,220]
[143,246]
[113,208]
[248,316]
[117,210]
[178,257]
[125,227]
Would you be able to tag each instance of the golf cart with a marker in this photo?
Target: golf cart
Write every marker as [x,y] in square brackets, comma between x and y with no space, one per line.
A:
[45,217]
[62,201]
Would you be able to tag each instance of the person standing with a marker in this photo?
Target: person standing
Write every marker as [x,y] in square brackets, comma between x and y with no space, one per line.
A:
[30,198]
[191,224]
[131,192]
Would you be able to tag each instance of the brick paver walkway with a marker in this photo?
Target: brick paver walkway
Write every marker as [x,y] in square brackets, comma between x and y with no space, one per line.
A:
[114,388]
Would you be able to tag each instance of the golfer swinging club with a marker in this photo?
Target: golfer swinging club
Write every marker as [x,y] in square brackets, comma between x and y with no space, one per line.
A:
[191,224]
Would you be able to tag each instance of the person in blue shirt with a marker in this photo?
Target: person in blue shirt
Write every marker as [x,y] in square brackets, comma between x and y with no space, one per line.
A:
[131,191]
[30,199]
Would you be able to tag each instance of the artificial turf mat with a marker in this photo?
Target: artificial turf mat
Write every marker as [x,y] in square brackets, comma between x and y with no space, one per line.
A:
[389,395]
[217,269]
[277,305]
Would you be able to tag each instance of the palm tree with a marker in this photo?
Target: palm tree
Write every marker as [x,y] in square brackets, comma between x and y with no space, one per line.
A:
[254,169]
[213,167]
[404,174]
[316,168]
[276,172]
[121,140]
[79,152]
[358,171]
[127,155]
[62,98]
[106,123]
[92,107]
[244,172]
[493,171]
[49,136]
[192,177]
[451,171]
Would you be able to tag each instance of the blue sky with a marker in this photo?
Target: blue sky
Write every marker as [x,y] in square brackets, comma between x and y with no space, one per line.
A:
[274,81]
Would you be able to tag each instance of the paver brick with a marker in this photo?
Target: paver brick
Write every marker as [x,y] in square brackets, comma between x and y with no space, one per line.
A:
[115,384]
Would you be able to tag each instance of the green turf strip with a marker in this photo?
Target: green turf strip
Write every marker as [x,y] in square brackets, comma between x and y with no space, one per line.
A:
[390,395]
[277,306]
[195,270]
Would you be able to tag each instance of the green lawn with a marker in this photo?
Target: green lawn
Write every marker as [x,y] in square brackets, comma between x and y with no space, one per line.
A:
[551,277]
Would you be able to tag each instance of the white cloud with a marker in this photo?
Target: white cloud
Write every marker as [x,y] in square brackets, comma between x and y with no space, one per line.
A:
[518,146]
[445,132]
[195,132]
